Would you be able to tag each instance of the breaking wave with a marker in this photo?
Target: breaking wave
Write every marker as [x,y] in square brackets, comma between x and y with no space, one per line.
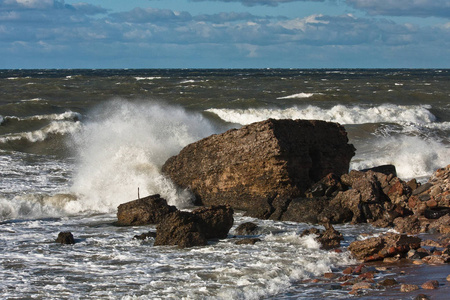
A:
[388,113]
[124,147]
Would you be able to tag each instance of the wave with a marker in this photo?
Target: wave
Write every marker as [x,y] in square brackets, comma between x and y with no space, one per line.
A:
[386,113]
[123,148]
[55,127]
[147,78]
[299,95]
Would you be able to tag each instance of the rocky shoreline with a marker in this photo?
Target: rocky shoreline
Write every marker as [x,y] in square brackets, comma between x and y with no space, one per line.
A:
[296,170]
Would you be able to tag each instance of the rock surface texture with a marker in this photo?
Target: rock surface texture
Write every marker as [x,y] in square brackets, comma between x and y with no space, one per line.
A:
[261,167]
[145,211]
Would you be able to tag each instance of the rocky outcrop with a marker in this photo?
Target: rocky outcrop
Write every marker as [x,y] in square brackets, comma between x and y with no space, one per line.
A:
[145,211]
[262,166]
[388,245]
[189,229]
[328,239]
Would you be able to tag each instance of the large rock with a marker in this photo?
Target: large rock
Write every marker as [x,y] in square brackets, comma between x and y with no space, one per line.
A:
[145,211]
[258,167]
[216,221]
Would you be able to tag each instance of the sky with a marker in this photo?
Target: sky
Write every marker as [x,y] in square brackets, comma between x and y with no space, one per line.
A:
[224,34]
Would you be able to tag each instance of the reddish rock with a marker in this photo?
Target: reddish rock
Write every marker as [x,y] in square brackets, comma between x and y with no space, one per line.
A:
[362,286]
[430,285]
[348,270]
[149,210]
[387,245]
[251,167]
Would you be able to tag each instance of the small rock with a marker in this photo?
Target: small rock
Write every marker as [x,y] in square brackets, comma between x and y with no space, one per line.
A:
[145,235]
[388,282]
[246,228]
[330,275]
[448,278]
[349,270]
[406,288]
[391,259]
[434,260]
[250,241]
[422,297]
[361,286]
[430,285]
[65,237]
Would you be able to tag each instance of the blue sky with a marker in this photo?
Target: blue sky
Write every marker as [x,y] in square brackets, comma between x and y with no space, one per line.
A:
[225,34]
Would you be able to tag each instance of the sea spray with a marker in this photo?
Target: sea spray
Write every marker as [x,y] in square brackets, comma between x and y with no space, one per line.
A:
[122,148]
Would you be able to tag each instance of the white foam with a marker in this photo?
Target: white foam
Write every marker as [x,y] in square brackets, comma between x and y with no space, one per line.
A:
[123,148]
[412,156]
[147,78]
[55,127]
[342,114]
[299,95]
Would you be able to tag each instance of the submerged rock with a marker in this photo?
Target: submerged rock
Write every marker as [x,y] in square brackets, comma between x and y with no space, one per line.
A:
[145,211]
[262,166]
[65,237]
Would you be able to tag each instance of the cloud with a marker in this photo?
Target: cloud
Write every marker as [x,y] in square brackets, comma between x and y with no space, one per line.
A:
[416,8]
[150,37]
[261,2]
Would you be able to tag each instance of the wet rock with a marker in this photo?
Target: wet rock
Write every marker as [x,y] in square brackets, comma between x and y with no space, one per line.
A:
[291,156]
[410,225]
[145,211]
[422,189]
[189,229]
[436,212]
[384,169]
[362,286]
[448,278]
[145,235]
[216,221]
[435,260]
[246,228]
[422,297]
[65,237]
[387,245]
[430,285]
[180,228]
[304,210]
[328,239]
[248,241]
[406,288]
[388,282]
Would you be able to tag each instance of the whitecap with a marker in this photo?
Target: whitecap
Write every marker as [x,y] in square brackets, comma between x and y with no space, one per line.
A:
[299,95]
[147,78]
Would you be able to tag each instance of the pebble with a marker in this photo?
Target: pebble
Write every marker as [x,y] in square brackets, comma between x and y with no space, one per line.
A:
[422,297]
[361,286]
[430,285]
[406,288]
[388,282]
[448,277]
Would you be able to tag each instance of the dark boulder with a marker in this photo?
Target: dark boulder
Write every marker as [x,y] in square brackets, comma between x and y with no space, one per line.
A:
[216,221]
[246,228]
[328,239]
[261,166]
[182,229]
[145,235]
[247,241]
[189,229]
[65,237]
[145,211]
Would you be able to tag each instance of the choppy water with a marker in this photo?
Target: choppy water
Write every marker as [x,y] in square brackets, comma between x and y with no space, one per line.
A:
[74,144]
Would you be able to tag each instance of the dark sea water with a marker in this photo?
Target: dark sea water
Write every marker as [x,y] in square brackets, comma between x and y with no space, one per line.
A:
[74,144]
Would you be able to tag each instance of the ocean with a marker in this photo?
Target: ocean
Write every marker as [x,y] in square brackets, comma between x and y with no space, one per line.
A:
[74,144]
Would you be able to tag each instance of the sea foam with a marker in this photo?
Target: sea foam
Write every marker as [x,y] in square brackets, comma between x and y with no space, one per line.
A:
[340,113]
[123,148]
